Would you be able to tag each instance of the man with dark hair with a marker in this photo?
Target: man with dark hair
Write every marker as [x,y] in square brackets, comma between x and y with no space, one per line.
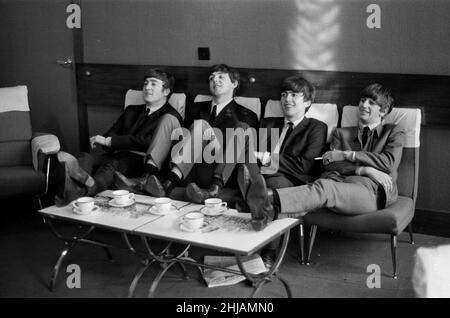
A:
[139,129]
[290,161]
[361,168]
[220,113]
[301,140]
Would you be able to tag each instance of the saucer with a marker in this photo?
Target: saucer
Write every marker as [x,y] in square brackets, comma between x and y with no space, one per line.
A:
[114,204]
[155,211]
[184,228]
[78,211]
[207,211]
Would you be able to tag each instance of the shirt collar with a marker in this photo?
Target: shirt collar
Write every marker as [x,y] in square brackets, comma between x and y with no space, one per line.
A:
[152,109]
[295,123]
[376,126]
[371,126]
[220,106]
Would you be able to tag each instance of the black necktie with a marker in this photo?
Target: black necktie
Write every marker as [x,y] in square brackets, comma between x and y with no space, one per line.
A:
[365,136]
[288,133]
[213,114]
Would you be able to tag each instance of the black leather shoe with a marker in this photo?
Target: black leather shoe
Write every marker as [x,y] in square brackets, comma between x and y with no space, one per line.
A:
[258,201]
[269,257]
[199,195]
[243,179]
[242,206]
[69,190]
[135,185]
[74,169]
[157,189]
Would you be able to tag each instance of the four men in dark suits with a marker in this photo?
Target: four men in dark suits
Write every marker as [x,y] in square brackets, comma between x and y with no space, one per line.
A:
[360,169]
[139,129]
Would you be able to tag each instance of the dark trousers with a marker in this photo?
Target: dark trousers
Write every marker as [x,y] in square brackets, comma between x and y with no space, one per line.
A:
[102,167]
[197,170]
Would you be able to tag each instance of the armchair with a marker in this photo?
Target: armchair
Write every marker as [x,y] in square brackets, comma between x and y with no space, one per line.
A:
[395,218]
[24,155]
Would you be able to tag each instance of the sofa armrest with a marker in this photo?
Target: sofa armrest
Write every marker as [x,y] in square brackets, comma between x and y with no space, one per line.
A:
[43,144]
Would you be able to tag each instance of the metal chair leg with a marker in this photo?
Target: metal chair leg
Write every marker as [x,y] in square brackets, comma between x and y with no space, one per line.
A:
[394,256]
[312,238]
[411,238]
[302,243]
[39,202]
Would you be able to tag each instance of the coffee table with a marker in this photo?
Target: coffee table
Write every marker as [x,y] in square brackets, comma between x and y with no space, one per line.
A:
[229,232]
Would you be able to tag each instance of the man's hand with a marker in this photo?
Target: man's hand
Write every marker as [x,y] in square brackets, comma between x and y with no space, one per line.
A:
[263,157]
[336,155]
[100,140]
[378,176]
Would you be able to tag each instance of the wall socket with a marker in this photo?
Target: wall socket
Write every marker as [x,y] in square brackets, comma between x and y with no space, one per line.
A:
[203,53]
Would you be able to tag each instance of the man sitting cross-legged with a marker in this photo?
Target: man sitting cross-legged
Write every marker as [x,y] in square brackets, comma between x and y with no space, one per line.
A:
[361,168]
[139,128]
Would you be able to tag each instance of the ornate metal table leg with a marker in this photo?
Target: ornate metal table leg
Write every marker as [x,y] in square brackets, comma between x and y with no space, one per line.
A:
[137,277]
[70,244]
[260,279]
[157,279]
[108,254]
[56,268]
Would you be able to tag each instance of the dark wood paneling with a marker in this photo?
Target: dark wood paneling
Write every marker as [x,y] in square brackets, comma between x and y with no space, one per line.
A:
[107,84]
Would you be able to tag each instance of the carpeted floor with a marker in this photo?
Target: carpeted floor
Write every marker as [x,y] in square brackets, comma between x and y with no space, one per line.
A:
[28,252]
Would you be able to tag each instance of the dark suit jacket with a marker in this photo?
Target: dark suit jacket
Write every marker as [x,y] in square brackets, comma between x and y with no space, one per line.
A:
[227,118]
[383,152]
[307,141]
[133,130]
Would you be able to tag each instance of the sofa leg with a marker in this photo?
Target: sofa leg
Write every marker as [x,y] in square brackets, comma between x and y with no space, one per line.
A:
[312,237]
[411,238]
[394,256]
[302,243]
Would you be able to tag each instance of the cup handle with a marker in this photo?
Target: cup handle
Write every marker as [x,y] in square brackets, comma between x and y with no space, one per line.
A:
[75,205]
[224,204]
[131,196]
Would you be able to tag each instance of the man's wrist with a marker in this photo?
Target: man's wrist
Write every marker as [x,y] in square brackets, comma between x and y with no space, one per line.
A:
[265,161]
[360,171]
[108,142]
[349,155]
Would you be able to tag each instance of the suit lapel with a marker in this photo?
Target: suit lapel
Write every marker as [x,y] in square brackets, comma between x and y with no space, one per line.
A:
[297,130]
[224,116]
[355,143]
[205,111]
[140,119]
[275,123]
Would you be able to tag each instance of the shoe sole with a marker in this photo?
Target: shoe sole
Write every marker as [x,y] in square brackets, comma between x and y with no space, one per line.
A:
[192,194]
[154,187]
[74,169]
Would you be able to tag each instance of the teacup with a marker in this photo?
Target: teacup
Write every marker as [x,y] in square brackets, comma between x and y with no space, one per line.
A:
[192,220]
[163,205]
[122,197]
[215,204]
[84,204]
